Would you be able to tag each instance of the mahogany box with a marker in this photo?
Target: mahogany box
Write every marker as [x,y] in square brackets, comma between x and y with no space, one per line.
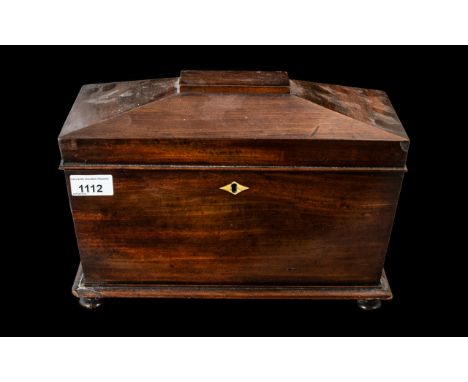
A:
[232,185]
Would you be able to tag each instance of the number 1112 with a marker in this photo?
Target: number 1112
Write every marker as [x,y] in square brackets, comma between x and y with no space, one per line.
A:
[92,188]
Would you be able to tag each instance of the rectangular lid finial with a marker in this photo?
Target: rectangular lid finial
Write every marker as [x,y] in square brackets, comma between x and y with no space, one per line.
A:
[247,82]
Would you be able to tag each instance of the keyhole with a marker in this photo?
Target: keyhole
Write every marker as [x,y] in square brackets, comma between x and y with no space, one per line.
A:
[234,188]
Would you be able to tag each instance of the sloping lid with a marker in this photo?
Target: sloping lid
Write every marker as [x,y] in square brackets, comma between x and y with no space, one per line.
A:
[232,118]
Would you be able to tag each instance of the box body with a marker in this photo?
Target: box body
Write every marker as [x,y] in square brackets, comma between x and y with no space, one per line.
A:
[290,227]
[322,168]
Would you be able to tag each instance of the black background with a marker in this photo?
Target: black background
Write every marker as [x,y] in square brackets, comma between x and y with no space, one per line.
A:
[40,255]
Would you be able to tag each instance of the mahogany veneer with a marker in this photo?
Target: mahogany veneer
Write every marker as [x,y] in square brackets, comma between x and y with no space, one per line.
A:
[319,166]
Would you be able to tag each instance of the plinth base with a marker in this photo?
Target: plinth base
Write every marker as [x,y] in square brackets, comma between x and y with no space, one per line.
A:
[363,294]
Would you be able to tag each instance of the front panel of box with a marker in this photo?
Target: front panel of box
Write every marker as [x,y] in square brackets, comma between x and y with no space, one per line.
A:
[267,227]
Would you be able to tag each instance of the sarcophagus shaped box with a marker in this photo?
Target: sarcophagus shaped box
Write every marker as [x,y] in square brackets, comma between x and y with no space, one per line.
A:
[232,185]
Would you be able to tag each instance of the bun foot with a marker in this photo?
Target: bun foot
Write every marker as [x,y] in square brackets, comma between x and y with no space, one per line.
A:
[90,303]
[369,304]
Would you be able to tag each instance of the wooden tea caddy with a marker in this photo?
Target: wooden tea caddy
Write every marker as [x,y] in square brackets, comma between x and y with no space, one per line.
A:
[243,185]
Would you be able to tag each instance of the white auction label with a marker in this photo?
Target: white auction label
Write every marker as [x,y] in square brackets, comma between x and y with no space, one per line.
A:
[91,185]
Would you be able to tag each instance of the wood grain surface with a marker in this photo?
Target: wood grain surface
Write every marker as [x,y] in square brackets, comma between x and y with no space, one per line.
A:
[81,288]
[233,77]
[288,228]
[370,106]
[98,102]
[323,165]
[233,129]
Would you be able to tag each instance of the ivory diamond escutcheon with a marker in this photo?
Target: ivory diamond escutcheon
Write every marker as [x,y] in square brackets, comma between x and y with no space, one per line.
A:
[234,188]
